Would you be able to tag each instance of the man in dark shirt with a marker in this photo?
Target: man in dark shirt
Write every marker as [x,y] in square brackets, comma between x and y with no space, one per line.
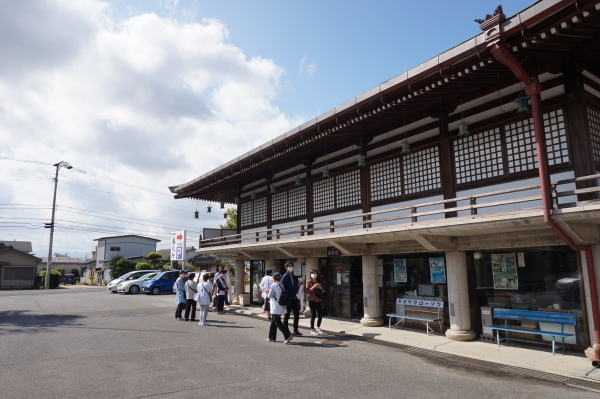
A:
[290,283]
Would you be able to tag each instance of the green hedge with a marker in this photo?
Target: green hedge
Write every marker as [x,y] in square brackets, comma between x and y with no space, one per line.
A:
[55,278]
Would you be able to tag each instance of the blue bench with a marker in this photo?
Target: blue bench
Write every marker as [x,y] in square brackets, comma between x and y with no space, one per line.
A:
[534,316]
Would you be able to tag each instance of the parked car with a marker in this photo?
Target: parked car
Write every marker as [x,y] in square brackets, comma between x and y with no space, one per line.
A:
[69,279]
[161,283]
[568,287]
[112,286]
[134,286]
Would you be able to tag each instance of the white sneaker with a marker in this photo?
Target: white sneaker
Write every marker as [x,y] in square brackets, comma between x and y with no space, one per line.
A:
[181,319]
[313,332]
[287,341]
[206,324]
[318,330]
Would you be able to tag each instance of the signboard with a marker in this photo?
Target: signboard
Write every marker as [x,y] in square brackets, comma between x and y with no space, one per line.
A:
[420,302]
[333,251]
[504,270]
[226,256]
[437,269]
[400,275]
[178,246]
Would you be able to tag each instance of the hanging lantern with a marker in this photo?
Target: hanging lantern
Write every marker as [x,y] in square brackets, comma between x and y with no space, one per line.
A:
[209,209]
[253,196]
[225,215]
[222,204]
[405,147]
[326,172]
[298,182]
[273,189]
[522,105]
[196,215]
[362,161]
[237,200]
[463,129]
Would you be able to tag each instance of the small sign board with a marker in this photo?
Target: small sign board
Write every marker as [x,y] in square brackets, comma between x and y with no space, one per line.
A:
[333,251]
[178,245]
[420,302]
[226,256]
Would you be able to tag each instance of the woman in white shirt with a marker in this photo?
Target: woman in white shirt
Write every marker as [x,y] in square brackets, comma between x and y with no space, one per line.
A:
[265,286]
[276,311]
[203,298]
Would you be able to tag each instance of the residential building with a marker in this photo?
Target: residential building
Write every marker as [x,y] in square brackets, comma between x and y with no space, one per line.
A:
[60,260]
[470,180]
[17,267]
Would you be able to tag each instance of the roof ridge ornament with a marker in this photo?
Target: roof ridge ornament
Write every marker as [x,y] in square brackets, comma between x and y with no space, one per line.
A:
[492,26]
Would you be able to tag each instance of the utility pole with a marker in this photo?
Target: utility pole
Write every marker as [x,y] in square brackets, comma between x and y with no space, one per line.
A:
[50,225]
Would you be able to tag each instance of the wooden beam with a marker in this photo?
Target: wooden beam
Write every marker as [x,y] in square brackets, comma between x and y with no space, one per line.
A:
[424,241]
[287,253]
[342,249]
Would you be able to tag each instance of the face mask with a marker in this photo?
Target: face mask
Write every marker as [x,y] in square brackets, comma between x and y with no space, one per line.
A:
[313,276]
[290,269]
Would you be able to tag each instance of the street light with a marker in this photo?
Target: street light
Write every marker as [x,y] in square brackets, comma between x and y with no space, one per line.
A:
[50,225]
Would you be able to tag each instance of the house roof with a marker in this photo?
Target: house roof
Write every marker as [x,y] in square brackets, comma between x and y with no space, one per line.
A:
[87,262]
[455,75]
[127,235]
[23,246]
[8,248]
[62,259]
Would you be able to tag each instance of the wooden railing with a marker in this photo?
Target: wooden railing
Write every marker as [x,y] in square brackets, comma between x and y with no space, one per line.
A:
[367,220]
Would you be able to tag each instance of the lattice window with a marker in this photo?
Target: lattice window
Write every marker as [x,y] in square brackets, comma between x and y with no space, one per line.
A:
[422,171]
[260,210]
[386,180]
[279,205]
[478,156]
[347,189]
[247,213]
[520,146]
[323,197]
[556,137]
[594,122]
[297,202]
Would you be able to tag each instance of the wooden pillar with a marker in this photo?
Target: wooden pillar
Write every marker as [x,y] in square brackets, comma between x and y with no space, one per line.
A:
[446,163]
[309,196]
[269,207]
[365,189]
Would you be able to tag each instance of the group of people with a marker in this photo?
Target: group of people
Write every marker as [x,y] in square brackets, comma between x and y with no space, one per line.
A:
[205,290]
[285,295]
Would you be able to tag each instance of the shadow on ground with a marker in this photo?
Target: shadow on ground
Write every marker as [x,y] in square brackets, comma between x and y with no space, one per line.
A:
[12,321]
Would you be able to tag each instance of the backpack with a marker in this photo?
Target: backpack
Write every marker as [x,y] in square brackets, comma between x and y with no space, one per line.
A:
[283,298]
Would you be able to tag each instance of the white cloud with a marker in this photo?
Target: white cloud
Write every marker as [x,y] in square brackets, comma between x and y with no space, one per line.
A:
[306,67]
[147,99]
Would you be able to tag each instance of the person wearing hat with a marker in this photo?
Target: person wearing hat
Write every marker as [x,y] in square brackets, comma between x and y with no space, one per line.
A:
[290,284]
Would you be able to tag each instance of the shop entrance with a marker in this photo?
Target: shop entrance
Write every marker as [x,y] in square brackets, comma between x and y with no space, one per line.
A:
[343,282]
[256,275]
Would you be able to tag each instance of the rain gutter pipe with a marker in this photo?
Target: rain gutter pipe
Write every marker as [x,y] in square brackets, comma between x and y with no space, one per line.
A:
[533,89]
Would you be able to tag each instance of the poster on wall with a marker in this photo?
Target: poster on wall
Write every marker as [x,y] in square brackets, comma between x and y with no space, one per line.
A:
[504,269]
[437,267]
[400,275]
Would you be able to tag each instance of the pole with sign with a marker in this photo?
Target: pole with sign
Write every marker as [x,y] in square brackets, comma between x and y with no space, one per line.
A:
[178,239]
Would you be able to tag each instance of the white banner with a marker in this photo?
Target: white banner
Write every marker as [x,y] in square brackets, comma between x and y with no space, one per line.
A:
[178,245]
[420,302]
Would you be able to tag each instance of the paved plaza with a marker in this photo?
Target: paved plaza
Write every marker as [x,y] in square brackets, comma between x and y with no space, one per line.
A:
[85,342]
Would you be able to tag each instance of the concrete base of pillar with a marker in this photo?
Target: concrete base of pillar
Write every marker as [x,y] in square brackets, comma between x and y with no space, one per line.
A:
[235,302]
[589,353]
[371,322]
[456,335]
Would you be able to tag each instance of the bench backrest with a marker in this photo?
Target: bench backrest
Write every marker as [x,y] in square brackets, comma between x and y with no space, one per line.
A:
[535,315]
[420,302]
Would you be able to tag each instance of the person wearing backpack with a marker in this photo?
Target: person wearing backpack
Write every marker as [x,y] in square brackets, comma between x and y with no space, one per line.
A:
[191,289]
[315,292]
[290,283]
[278,300]
[179,289]
[203,298]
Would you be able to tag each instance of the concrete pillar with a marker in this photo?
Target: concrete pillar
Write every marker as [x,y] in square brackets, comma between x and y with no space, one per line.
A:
[371,303]
[585,284]
[458,297]
[311,263]
[239,281]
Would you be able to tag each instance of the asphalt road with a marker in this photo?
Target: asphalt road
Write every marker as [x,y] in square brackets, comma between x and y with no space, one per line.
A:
[87,343]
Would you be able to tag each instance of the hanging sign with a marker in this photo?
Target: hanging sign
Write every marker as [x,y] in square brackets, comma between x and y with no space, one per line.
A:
[226,256]
[178,245]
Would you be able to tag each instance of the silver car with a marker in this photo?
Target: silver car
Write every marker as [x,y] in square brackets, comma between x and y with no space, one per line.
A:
[134,275]
[133,286]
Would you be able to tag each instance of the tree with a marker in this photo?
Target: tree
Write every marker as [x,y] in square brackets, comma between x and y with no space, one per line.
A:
[154,260]
[142,266]
[75,271]
[113,264]
[231,223]
[122,266]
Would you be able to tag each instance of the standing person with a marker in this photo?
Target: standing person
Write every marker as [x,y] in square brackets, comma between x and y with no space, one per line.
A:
[228,277]
[314,288]
[265,286]
[180,295]
[290,283]
[276,311]
[214,293]
[203,298]
[222,288]
[301,295]
[191,289]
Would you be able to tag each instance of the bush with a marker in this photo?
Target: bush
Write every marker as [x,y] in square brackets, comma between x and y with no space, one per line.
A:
[142,266]
[55,278]
[75,272]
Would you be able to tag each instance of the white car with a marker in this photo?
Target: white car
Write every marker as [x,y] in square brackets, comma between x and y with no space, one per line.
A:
[133,286]
[134,275]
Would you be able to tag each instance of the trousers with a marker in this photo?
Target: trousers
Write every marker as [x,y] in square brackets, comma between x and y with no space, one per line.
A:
[220,302]
[293,305]
[179,310]
[316,308]
[203,313]
[276,324]
[190,305]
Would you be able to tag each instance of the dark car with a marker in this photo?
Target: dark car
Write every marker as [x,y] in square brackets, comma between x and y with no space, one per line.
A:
[69,279]
[161,283]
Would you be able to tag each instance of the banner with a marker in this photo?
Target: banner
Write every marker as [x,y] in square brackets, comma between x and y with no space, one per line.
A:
[504,269]
[400,275]
[437,267]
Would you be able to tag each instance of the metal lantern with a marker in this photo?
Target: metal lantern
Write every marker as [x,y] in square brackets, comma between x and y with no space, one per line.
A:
[237,200]
[463,129]
[253,196]
[209,209]
[326,172]
[222,204]
[405,147]
[362,161]
[196,215]
[298,182]
[273,189]
[225,215]
[522,105]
